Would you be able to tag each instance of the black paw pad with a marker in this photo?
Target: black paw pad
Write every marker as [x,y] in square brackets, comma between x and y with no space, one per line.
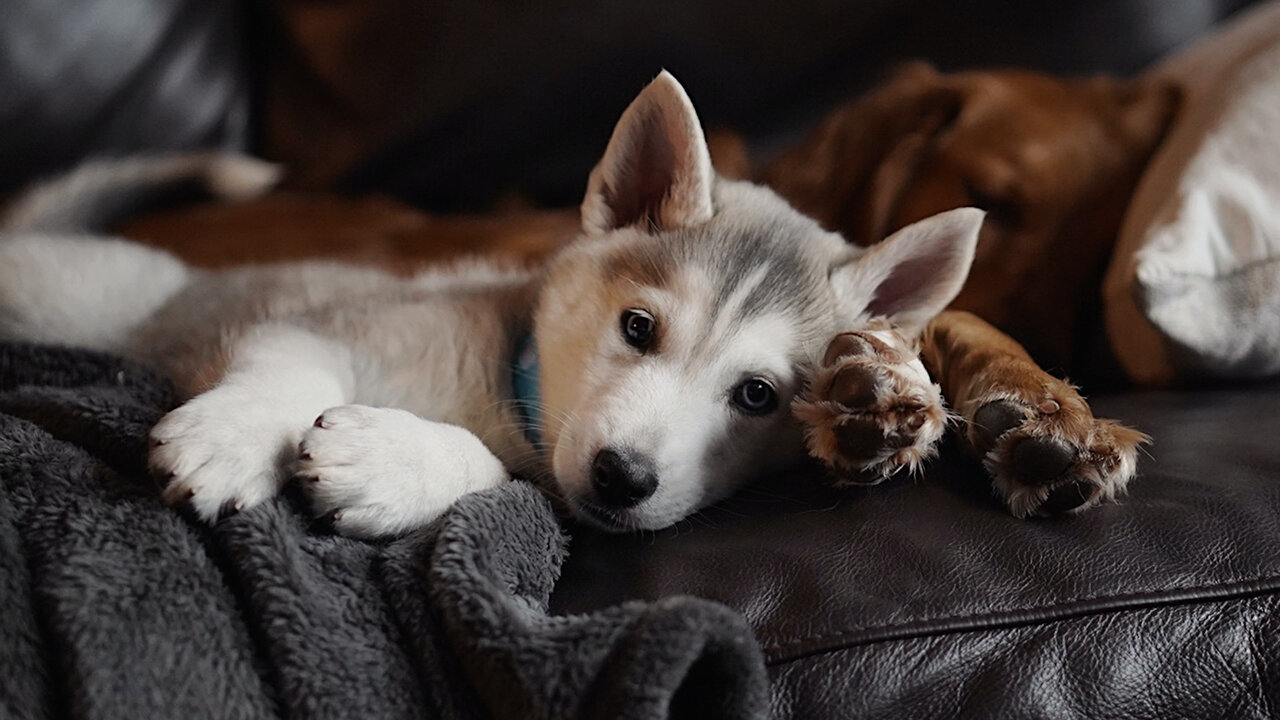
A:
[1068,497]
[995,419]
[846,344]
[1040,461]
[854,387]
[860,439]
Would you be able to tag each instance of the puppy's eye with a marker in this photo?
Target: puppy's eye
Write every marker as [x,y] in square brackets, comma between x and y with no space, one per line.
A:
[755,396]
[638,327]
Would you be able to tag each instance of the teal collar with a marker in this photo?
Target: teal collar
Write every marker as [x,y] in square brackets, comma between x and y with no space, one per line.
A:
[526,390]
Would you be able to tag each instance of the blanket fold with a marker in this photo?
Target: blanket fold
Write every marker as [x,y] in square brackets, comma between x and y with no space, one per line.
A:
[115,606]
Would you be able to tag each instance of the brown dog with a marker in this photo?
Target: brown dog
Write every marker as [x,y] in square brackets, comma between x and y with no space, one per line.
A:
[1054,163]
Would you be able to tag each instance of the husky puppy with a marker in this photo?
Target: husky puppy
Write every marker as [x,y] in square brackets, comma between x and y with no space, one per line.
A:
[655,358]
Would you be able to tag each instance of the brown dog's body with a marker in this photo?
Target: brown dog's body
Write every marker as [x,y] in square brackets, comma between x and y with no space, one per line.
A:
[1054,163]
[369,230]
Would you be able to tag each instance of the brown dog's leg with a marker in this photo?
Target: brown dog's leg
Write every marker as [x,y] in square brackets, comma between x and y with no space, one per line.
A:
[1046,453]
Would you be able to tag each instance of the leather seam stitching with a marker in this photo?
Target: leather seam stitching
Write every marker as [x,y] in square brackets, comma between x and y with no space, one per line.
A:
[795,649]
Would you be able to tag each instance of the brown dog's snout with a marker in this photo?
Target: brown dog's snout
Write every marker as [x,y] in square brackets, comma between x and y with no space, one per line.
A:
[622,478]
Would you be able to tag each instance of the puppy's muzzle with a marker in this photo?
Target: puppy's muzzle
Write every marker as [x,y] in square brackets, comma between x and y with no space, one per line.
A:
[622,478]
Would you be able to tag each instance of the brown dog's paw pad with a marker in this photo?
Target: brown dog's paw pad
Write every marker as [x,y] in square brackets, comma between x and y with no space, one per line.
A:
[1041,460]
[860,439]
[855,386]
[871,409]
[1071,496]
[1049,456]
[847,344]
[995,419]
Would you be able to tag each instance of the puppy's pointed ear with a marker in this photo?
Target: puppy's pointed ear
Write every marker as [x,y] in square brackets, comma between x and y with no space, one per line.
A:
[656,172]
[914,274]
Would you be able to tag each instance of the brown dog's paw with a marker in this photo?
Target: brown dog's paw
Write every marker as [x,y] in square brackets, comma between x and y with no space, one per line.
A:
[871,408]
[1048,455]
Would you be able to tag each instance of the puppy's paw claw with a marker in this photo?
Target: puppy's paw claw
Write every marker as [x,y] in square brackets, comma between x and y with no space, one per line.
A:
[1049,456]
[220,453]
[374,472]
[871,409]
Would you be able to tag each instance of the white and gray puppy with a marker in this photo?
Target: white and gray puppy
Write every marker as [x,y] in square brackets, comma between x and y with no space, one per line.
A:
[669,339]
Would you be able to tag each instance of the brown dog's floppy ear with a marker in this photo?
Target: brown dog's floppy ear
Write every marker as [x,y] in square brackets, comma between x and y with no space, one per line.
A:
[656,172]
[1147,108]
[912,71]
[849,173]
[914,274]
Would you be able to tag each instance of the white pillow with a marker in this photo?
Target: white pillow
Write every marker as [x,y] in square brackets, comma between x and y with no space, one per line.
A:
[1194,286]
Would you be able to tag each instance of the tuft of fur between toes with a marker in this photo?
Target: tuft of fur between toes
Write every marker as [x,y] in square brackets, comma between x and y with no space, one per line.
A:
[871,409]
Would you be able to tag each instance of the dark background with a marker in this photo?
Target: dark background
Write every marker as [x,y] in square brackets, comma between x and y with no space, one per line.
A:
[454,105]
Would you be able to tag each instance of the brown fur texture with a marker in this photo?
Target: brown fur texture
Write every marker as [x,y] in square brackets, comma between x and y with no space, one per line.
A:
[367,230]
[1053,162]
[1036,435]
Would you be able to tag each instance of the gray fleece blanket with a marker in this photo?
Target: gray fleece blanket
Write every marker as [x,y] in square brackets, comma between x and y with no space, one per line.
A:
[114,606]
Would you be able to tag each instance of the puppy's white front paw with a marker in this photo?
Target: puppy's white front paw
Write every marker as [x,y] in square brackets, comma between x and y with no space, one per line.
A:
[383,471]
[224,451]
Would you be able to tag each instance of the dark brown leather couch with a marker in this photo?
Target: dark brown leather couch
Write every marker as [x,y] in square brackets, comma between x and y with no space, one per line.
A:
[923,599]
[914,599]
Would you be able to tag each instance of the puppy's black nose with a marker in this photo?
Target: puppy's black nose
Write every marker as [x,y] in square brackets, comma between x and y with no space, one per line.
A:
[622,478]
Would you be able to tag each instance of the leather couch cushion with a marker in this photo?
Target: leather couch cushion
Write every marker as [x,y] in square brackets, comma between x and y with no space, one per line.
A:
[922,598]
[99,77]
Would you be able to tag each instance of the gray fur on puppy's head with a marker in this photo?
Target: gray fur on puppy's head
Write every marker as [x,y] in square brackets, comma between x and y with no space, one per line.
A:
[742,293]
